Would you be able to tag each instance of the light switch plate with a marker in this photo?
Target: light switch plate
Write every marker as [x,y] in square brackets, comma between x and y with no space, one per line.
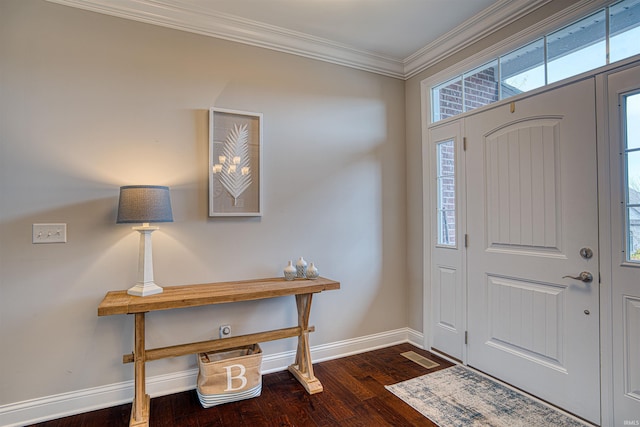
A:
[49,233]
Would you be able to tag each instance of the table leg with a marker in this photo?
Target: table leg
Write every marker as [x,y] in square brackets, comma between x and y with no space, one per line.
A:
[140,409]
[303,367]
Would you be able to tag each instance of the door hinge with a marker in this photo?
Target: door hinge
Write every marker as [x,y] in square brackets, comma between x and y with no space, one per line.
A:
[466,337]
[466,240]
[464,143]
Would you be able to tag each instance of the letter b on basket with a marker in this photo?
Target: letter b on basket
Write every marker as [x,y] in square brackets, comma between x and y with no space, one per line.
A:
[240,370]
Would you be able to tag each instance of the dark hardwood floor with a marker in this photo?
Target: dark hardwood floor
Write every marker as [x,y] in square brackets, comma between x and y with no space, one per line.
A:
[354,395]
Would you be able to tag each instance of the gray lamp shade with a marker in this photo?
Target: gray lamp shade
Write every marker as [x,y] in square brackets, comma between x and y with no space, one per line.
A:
[144,203]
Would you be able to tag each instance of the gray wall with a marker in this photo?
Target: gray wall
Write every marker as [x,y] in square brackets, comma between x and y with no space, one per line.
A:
[90,102]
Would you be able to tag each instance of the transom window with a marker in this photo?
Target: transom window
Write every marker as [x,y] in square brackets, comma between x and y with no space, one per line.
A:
[608,35]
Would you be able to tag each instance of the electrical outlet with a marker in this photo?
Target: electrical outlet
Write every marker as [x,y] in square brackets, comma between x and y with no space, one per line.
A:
[225,331]
[49,233]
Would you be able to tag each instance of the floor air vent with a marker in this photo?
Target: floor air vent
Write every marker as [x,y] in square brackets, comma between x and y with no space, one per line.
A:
[420,360]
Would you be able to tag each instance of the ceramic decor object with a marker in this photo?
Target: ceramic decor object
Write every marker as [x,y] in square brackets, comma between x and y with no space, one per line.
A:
[312,272]
[290,271]
[301,267]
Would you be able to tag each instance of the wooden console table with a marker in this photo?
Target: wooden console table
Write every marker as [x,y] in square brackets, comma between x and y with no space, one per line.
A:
[119,302]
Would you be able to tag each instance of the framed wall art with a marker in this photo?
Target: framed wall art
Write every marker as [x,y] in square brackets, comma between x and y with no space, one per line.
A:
[235,163]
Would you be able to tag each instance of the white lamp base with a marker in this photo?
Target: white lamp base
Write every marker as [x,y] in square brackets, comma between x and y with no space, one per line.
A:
[144,289]
[145,285]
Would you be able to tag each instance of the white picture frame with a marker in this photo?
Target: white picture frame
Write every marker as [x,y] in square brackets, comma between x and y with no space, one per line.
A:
[235,163]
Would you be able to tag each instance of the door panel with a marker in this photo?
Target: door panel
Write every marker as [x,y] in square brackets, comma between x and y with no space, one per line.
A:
[531,207]
[522,201]
[631,343]
[525,318]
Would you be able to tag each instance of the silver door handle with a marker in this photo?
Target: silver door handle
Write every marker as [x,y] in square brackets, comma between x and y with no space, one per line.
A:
[585,276]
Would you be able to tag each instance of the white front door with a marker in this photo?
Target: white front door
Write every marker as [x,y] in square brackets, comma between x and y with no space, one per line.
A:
[532,220]
[624,129]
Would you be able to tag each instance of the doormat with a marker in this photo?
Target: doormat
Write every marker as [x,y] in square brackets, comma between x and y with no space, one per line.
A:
[420,360]
[457,396]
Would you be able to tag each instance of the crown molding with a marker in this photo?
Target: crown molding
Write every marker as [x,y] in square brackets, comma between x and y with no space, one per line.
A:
[177,15]
[490,20]
[180,15]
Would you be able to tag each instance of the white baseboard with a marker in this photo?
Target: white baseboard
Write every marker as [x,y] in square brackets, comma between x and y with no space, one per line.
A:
[76,402]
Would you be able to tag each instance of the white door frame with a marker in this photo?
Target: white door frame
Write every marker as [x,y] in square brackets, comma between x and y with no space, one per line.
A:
[604,238]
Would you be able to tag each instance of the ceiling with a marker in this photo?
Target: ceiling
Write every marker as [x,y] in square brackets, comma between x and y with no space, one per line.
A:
[398,38]
[393,28]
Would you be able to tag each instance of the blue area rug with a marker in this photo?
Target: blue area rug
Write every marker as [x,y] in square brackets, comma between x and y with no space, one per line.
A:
[457,396]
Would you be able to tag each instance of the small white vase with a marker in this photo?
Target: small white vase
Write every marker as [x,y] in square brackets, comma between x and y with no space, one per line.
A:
[312,272]
[301,267]
[290,271]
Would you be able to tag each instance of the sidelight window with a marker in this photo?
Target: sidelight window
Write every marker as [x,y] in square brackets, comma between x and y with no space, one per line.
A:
[631,131]
[446,190]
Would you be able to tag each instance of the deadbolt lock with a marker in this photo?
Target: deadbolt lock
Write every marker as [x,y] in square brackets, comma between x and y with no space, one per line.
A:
[586,253]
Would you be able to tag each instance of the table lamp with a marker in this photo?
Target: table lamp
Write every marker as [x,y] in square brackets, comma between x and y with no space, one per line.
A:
[144,204]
